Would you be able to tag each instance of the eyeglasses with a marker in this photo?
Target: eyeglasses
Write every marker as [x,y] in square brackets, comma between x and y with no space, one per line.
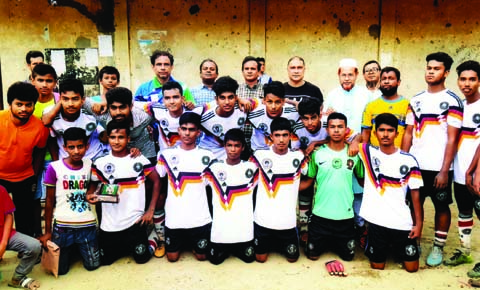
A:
[375,69]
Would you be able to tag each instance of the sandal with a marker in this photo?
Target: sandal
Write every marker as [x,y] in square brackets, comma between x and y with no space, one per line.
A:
[25,283]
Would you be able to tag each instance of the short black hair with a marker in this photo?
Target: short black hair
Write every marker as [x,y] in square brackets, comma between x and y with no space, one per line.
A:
[33,54]
[387,119]
[170,85]
[74,134]
[275,88]
[309,106]
[225,84]
[235,134]
[370,62]
[388,69]
[190,117]
[109,70]
[121,95]
[118,126]
[43,69]
[23,92]
[250,58]
[209,60]
[441,57]
[260,59]
[279,124]
[158,53]
[72,85]
[337,116]
[469,65]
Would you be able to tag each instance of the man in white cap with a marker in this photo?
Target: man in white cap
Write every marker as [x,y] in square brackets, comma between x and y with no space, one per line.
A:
[350,100]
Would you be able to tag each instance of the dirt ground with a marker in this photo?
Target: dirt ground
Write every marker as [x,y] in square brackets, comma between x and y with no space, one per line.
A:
[276,273]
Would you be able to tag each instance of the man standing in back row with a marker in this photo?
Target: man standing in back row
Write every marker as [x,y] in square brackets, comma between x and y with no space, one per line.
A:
[297,88]
[434,119]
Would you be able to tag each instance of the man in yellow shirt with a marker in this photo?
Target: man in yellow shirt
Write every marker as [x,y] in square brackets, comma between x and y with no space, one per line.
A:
[389,102]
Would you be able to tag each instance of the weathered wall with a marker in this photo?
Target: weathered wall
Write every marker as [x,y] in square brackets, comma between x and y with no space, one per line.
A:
[322,31]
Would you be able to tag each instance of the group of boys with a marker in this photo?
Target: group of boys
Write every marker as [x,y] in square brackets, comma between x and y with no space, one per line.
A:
[204,188]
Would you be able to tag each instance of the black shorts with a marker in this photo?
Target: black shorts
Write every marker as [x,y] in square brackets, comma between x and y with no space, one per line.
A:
[132,241]
[283,241]
[219,252]
[441,197]
[335,235]
[194,238]
[379,240]
[466,201]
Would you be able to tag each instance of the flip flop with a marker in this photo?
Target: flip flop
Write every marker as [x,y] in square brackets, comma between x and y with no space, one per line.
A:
[335,268]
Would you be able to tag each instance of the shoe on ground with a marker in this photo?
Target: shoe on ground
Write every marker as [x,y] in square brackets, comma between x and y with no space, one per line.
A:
[160,250]
[435,257]
[475,272]
[458,258]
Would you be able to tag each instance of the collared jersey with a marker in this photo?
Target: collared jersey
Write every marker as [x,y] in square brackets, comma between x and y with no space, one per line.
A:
[387,178]
[277,192]
[84,121]
[333,172]
[469,140]
[186,205]
[430,115]
[215,127]
[261,124]
[129,174]
[232,199]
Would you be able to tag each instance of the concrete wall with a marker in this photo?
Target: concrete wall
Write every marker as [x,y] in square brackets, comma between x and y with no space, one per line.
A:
[398,33]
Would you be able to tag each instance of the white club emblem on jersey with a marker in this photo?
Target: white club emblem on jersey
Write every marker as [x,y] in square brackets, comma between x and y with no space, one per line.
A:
[376,164]
[174,160]
[217,129]
[241,121]
[222,175]
[267,164]
[418,106]
[296,163]
[109,168]
[263,127]
[404,169]
[304,140]
[205,160]
[476,118]
[249,173]
[163,123]
[90,127]
[443,105]
[138,167]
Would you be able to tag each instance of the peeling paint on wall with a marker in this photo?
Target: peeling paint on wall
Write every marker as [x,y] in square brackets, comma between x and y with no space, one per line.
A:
[374,31]
[344,27]
[150,40]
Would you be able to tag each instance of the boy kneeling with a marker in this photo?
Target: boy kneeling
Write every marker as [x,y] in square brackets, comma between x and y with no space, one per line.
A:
[74,222]
[389,173]
[123,224]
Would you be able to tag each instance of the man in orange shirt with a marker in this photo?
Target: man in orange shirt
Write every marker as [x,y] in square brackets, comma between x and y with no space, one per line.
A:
[22,140]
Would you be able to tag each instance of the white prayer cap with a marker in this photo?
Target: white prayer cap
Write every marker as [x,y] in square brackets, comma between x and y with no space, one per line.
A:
[348,62]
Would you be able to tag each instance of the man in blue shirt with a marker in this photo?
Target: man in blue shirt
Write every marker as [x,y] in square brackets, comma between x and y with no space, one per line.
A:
[162,66]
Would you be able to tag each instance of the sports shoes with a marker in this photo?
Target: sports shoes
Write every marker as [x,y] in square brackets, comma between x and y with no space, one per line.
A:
[475,272]
[435,257]
[160,250]
[458,258]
